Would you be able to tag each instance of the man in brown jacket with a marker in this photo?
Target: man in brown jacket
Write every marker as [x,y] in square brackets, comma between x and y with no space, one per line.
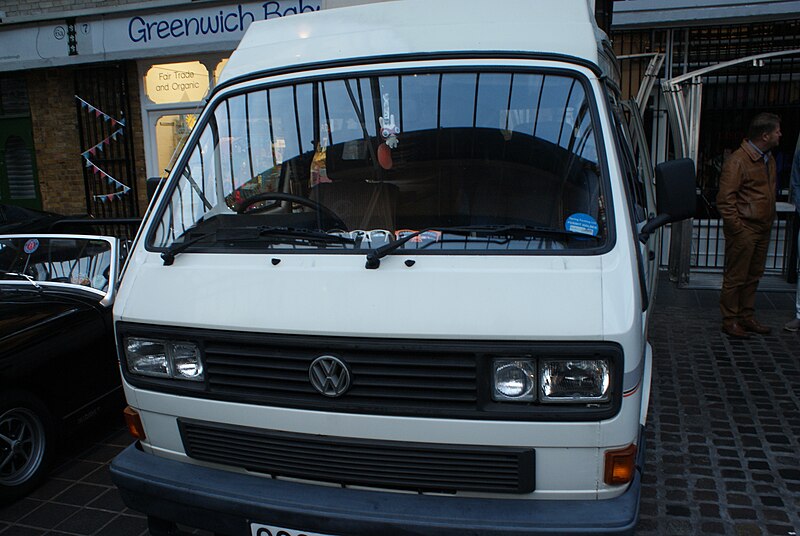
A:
[746,202]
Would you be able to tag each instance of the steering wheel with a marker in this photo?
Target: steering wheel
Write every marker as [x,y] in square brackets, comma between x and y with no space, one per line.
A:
[242,207]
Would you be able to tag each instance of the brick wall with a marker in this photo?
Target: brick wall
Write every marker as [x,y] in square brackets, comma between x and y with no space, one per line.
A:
[135,127]
[55,133]
[58,162]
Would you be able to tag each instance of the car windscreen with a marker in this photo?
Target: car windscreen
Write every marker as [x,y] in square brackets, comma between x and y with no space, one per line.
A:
[370,159]
[85,262]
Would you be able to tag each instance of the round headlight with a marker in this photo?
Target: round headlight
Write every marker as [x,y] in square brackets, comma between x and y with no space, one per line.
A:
[514,380]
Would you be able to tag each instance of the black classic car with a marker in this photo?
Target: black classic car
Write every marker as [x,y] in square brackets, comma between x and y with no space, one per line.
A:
[58,364]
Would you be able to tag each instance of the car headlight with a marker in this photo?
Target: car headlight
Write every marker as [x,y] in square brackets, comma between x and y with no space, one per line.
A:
[574,380]
[514,379]
[164,359]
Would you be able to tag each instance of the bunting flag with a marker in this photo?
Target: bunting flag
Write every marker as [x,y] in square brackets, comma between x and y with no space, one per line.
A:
[111,182]
[99,147]
[93,150]
[100,113]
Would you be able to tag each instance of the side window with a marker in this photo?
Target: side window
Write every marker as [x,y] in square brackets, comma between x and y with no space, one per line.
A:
[635,186]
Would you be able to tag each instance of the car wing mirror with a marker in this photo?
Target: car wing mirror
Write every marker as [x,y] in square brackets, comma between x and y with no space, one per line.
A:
[676,186]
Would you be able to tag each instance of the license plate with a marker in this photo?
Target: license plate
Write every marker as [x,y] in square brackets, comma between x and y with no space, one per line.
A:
[268,530]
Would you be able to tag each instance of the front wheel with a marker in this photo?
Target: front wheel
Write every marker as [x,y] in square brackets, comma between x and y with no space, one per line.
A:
[27,438]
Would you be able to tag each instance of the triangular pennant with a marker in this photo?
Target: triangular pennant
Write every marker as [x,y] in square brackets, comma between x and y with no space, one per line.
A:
[97,113]
[110,197]
[122,122]
[88,163]
[92,151]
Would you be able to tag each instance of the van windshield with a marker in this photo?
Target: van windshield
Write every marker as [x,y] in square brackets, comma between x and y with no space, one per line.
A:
[370,159]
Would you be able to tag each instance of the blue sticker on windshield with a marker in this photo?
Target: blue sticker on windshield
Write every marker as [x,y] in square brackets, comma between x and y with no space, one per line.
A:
[582,223]
[31,246]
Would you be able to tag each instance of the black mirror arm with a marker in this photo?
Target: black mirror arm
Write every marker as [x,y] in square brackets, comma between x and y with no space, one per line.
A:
[653,224]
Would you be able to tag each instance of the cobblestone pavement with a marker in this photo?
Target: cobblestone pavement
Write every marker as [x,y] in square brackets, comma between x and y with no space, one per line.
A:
[723,437]
[724,424]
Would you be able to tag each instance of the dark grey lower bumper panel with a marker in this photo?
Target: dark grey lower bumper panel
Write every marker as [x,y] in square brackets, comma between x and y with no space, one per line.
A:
[227,503]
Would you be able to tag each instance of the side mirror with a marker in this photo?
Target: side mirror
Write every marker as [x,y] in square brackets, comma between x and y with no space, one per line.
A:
[676,185]
[153,186]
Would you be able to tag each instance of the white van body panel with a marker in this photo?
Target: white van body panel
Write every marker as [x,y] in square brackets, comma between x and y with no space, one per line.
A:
[410,27]
[568,454]
[439,297]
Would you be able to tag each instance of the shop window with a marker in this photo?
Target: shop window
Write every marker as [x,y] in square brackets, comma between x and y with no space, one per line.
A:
[169,83]
[171,132]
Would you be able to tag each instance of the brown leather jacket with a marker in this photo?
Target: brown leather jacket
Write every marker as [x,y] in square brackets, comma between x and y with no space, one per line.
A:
[746,195]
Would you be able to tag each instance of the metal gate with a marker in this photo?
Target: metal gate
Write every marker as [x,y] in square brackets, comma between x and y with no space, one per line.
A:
[106,141]
[730,98]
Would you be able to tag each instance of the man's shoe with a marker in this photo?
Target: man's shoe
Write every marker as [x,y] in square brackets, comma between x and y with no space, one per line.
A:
[792,325]
[735,330]
[754,326]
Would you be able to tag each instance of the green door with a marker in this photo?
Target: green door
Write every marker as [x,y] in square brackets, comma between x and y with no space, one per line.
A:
[18,183]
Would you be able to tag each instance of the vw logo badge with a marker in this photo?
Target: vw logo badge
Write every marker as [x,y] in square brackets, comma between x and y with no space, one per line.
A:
[329,375]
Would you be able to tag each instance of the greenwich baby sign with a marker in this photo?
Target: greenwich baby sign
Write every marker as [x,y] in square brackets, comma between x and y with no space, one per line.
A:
[225,22]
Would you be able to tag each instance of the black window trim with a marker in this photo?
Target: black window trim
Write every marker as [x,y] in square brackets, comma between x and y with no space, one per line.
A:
[218,96]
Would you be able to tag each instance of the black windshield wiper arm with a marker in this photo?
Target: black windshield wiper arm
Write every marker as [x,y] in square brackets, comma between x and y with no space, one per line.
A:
[168,256]
[254,233]
[303,234]
[530,230]
[374,257]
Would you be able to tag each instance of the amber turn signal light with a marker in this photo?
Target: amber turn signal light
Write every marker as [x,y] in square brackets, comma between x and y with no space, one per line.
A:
[620,465]
[134,422]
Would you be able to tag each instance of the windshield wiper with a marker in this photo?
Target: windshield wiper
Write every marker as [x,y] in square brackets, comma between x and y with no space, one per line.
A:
[303,234]
[374,257]
[28,278]
[168,256]
[243,234]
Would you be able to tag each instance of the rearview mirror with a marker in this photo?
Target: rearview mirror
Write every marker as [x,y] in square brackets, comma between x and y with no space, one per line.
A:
[675,194]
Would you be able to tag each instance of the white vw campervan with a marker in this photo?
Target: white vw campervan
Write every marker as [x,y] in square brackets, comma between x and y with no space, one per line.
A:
[398,282]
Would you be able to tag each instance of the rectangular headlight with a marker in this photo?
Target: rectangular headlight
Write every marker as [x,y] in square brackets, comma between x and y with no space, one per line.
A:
[164,359]
[147,357]
[574,380]
[514,380]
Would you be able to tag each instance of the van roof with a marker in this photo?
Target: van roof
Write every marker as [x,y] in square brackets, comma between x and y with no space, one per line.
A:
[403,27]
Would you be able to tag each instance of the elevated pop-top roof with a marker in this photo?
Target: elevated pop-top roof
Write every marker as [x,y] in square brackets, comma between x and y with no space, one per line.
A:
[564,27]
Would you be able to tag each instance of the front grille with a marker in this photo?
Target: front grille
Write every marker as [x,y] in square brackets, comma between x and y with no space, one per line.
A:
[420,467]
[409,381]
[399,377]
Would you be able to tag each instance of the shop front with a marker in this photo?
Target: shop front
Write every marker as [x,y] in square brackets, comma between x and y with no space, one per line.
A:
[95,101]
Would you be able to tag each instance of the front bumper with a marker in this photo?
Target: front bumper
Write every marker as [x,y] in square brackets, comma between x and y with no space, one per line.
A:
[226,503]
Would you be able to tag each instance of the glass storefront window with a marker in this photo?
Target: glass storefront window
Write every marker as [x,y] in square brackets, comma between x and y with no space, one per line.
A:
[171,133]
[168,83]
